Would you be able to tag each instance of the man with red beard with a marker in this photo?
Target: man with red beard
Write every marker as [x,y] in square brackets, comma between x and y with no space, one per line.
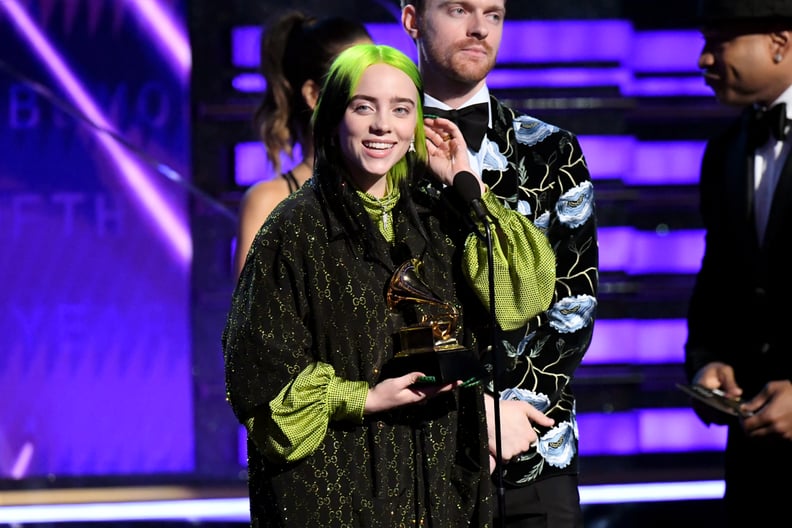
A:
[539,170]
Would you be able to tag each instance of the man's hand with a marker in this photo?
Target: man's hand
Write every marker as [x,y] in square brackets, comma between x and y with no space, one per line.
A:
[772,411]
[517,432]
[720,376]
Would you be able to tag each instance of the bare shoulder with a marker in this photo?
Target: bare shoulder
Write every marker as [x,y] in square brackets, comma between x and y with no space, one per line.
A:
[262,197]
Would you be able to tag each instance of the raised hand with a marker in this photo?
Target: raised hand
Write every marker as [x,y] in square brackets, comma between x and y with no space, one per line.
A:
[447,149]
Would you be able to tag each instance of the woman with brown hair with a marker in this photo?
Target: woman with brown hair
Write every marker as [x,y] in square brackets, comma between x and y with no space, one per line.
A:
[296,52]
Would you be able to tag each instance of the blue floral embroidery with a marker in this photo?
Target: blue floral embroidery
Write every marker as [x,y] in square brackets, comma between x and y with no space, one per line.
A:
[491,157]
[540,401]
[530,131]
[570,314]
[524,207]
[557,446]
[574,419]
[543,221]
[528,341]
[576,205]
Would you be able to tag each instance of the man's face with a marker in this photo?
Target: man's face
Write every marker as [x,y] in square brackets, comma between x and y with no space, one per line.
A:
[739,66]
[457,40]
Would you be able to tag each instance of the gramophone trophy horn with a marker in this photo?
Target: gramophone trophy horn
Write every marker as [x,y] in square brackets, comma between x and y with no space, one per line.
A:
[406,286]
[428,346]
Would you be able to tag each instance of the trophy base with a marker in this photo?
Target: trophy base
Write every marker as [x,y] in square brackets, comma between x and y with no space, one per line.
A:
[439,366]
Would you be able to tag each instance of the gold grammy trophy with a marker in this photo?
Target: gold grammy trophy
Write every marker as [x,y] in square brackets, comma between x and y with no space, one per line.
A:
[429,346]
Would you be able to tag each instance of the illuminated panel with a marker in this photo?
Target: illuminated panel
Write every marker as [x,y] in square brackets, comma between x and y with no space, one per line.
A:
[566,41]
[652,492]
[637,162]
[665,162]
[170,225]
[666,51]
[503,78]
[665,86]
[245,46]
[647,431]
[614,44]
[640,252]
[251,164]
[637,342]
[542,42]
[249,83]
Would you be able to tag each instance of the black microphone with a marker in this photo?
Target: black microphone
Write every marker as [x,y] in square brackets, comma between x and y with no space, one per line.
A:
[467,186]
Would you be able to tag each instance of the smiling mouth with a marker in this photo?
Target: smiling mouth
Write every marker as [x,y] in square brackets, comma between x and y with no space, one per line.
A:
[378,145]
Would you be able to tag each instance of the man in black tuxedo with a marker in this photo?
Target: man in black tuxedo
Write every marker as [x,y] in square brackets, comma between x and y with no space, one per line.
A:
[738,339]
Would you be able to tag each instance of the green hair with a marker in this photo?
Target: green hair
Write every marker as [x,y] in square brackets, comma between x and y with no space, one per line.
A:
[337,91]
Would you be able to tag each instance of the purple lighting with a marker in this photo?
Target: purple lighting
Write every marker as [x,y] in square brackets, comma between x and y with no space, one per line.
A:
[645,431]
[251,164]
[170,225]
[637,162]
[566,41]
[637,342]
[249,83]
[625,56]
[502,78]
[245,46]
[641,252]
[666,51]
[170,37]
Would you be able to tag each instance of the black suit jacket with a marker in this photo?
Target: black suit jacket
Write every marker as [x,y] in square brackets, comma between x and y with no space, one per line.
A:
[741,303]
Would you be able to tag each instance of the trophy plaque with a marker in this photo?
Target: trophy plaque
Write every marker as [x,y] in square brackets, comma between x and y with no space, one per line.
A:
[428,346]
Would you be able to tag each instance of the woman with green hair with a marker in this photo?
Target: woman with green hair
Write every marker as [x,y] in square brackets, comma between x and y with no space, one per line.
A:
[331,441]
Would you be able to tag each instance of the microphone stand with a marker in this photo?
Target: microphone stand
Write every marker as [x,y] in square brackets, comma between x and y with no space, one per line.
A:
[467,186]
[496,377]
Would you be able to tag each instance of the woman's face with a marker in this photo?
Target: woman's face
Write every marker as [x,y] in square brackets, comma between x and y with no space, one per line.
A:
[378,124]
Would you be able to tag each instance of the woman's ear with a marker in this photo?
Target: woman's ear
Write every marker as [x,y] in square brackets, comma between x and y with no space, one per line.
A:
[310,93]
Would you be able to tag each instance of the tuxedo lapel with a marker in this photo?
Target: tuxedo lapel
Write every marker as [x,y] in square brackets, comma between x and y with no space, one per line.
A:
[739,168]
[782,201]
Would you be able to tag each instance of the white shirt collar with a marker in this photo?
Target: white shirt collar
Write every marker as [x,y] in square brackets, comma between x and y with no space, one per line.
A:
[785,97]
[482,96]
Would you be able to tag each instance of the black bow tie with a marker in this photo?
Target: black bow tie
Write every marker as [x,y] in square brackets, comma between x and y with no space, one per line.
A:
[472,121]
[764,122]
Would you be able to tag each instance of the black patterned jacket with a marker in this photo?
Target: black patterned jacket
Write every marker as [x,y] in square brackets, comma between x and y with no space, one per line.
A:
[539,170]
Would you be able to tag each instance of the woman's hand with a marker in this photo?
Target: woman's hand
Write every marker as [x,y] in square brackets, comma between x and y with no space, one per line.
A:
[404,390]
[448,153]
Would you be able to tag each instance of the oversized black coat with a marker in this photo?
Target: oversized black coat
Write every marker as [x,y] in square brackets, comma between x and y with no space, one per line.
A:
[311,292]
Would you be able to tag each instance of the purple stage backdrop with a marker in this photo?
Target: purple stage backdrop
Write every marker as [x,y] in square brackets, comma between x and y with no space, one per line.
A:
[95,260]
